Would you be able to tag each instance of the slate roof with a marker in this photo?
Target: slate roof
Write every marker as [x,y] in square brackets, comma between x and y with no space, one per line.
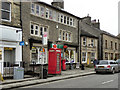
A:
[84,33]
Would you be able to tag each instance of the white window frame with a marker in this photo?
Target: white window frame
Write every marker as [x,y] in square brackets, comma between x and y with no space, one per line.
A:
[85,57]
[58,17]
[65,19]
[42,11]
[47,13]
[71,22]
[61,18]
[63,35]
[37,10]
[54,15]
[50,14]
[92,57]
[60,35]
[92,42]
[84,41]
[69,35]
[36,30]
[68,20]
[31,29]
[32,8]
[6,11]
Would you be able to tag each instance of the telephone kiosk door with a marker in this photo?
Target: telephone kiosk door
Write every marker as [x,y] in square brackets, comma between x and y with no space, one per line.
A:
[54,61]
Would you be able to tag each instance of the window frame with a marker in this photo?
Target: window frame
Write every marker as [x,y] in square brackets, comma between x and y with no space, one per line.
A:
[37,10]
[6,11]
[84,41]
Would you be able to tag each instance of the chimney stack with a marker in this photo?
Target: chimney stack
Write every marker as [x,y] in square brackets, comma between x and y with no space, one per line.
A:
[58,4]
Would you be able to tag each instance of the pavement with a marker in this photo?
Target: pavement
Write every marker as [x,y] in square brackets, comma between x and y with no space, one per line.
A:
[11,84]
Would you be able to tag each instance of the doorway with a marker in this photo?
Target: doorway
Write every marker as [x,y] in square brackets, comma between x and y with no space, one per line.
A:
[9,57]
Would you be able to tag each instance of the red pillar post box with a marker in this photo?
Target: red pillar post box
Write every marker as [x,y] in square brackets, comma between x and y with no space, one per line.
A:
[63,65]
[54,61]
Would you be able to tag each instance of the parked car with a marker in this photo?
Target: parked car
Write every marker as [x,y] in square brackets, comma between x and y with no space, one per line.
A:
[118,62]
[106,66]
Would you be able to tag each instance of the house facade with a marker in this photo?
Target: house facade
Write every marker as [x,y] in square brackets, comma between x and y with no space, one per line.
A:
[10,35]
[89,48]
[61,28]
[111,47]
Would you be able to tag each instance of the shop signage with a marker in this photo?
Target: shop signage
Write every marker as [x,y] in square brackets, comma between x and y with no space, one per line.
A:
[7,48]
[45,41]
[22,43]
[58,46]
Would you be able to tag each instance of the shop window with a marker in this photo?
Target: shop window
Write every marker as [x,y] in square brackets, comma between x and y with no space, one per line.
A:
[34,54]
[42,11]
[38,56]
[37,10]
[50,14]
[72,55]
[83,57]
[84,41]
[6,11]
[67,55]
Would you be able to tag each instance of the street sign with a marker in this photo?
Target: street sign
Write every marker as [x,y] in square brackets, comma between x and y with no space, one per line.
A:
[45,41]
[22,43]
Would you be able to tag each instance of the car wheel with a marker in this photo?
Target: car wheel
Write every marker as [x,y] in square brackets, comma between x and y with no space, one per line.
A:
[97,72]
[113,71]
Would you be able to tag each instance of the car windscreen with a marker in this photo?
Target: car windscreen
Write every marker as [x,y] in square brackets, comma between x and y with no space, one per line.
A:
[103,62]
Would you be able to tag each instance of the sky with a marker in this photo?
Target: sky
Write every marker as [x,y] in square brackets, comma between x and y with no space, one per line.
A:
[104,10]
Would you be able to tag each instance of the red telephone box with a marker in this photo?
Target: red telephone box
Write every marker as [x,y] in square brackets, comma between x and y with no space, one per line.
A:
[54,61]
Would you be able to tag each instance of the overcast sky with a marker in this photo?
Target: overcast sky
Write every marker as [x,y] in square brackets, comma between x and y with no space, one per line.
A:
[104,10]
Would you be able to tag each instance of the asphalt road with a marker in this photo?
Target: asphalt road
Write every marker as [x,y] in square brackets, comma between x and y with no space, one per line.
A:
[90,81]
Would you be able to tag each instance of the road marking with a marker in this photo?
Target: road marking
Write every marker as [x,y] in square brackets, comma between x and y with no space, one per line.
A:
[107,81]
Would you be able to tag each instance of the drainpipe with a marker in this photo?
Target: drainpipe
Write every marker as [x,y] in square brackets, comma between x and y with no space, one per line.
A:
[21,28]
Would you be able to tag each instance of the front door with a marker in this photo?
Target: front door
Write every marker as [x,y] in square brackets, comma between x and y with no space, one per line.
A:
[88,58]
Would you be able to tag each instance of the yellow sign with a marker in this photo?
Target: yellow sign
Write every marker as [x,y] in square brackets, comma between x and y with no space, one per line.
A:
[7,48]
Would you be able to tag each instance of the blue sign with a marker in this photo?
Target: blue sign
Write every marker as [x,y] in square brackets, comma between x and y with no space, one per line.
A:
[22,43]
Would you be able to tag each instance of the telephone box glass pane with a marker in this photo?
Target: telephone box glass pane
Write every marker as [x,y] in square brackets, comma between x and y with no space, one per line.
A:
[58,62]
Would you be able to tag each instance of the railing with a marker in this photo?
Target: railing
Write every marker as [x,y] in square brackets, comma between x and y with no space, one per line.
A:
[7,68]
